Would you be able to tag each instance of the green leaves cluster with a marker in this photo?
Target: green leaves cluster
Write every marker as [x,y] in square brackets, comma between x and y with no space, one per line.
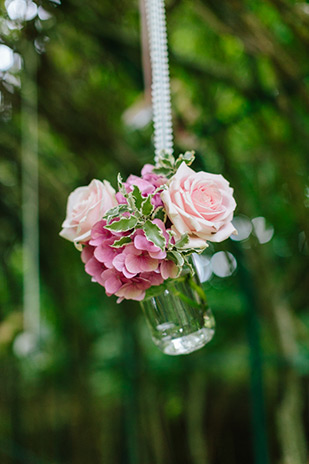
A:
[137,213]
[180,253]
[167,164]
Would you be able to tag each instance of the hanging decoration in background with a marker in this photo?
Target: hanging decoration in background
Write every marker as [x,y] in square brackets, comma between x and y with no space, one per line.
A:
[139,242]
[27,342]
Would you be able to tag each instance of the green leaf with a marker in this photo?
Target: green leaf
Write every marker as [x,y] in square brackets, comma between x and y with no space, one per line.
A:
[119,180]
[159,213]
[123,225]
[189,251]
[176,257]
[112,212]
[178,163]
[171,235]
[163,171]
[121,242]
[167,163]
[117,211]
[189,265]
[147,206]
[154,234]
[137,197]
[188,158]
[121,187]
[166,157]
[184,240]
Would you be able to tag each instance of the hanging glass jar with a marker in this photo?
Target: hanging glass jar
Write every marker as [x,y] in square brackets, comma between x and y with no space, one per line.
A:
[179,318]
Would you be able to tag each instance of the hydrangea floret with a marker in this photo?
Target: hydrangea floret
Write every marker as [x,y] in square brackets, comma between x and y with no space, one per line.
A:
[133,240]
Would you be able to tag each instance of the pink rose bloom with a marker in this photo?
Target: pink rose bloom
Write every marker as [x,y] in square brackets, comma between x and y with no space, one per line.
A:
[199,204]
[86,206]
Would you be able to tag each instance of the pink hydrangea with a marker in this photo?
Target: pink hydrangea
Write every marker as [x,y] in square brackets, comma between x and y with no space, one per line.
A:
[127,271]
[147,184]
[134,289]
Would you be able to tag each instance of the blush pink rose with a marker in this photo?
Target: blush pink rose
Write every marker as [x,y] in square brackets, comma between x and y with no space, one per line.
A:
[86,206]
[201,205]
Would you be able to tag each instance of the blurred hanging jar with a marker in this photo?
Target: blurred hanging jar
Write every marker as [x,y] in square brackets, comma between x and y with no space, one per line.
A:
[178,316]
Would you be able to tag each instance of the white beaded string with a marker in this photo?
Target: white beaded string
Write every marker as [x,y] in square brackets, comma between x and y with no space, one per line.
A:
[161,98]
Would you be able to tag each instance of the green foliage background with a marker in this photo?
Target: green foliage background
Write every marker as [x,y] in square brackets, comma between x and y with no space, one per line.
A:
[97,390]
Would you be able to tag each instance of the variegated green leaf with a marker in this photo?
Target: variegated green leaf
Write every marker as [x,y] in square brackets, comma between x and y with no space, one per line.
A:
[154,234]
[189,265]
[166,157]
[184,240]
[137,197]
[123,225]
[121,187]
[117,211]
[187,157]
[176,257]
[159,213]
[147,206]
[112,212]
[121,242]
[167,163]
[189,251]
[163,171]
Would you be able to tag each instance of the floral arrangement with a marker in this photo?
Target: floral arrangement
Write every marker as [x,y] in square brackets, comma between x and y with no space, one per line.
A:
[134,239]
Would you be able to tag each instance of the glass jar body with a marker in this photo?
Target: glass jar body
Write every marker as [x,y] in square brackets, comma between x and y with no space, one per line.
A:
[179,318]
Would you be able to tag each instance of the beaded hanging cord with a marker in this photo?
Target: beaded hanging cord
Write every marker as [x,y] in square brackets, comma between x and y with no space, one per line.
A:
[161,98]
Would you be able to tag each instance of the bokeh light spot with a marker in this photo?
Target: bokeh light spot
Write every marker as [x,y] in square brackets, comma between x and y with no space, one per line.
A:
[43,14]
[262,230]
[6,58]
[21,10]
[243,226]
[223,264]
[24,344]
